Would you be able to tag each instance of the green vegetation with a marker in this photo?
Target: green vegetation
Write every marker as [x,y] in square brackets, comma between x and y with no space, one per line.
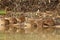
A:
[2,12]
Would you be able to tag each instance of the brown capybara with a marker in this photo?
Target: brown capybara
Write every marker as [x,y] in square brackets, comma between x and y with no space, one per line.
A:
[6,24]
[13,20]
[22,18]
[48,22]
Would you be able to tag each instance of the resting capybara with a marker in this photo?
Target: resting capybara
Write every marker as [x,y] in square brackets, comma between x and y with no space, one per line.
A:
[48,25]
[6,24]
[13,20]
[48,22]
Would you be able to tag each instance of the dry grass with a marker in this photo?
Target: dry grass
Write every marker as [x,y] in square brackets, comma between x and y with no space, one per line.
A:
[31,36]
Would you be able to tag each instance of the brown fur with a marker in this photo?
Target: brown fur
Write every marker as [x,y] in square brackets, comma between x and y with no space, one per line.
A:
[13,20]
[22,18]
[49,22]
